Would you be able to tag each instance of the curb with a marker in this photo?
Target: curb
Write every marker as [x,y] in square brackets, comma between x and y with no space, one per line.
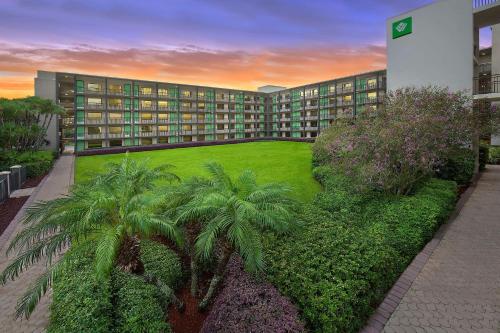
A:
[383,313]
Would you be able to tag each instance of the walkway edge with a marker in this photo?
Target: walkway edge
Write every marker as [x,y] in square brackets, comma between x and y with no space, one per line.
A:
[16,220]
[380,317]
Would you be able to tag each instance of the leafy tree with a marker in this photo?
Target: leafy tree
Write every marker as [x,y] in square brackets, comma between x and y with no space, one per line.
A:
[24,122]
[233,214]
[114,209]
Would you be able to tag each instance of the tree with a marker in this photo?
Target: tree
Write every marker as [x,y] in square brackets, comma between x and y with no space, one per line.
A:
[232,215]
[114,209]
[24,122]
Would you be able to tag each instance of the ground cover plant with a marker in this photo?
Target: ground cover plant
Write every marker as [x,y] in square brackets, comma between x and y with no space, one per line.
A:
[282,162]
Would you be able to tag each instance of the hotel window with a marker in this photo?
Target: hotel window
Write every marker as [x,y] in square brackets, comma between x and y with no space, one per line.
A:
[115,102]
[372,97]
[187,127]
[163,104]
[94,144]
[94,87]
[347,98]
[115,88]
[146,129]
[146,116]
[220,96]
[331,88]
[146,91]
[115,115]
[220,127]
[94,115]
[115,129]
[146,104]
[162,92]
[201,94]
[201,106]
[186,105]
[372,83]
[187,116]
[94,130]
[162,115]
[186,93]
[220,106]
[163,128]
[146,141]
[347,86]
[94,101]
[247,107]
[163,140]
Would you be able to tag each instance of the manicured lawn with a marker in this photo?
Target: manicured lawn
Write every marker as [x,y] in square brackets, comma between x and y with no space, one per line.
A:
[284,162]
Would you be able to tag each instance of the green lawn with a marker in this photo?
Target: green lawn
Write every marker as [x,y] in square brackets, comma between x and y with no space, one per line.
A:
[284,162]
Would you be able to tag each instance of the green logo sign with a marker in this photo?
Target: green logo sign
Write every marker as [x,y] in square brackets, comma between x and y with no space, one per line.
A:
[402,27]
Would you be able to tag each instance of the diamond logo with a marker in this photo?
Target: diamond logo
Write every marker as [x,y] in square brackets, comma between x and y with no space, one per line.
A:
[401,27]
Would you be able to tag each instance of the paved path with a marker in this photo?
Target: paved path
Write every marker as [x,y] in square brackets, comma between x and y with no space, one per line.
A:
[56,183]
[458,289]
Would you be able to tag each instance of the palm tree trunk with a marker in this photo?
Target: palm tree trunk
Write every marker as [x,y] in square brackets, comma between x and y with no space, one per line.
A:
[166,291]
[194,276]
[218,275]
[129,256]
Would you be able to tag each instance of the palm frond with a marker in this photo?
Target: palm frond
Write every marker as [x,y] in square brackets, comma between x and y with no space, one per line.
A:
[107,248]
[219,178]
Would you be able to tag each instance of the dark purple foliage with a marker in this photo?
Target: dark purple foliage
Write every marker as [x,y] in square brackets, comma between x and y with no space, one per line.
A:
[248,305]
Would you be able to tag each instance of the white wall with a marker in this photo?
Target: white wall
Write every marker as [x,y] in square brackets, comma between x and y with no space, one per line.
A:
[45,87]
[439,51]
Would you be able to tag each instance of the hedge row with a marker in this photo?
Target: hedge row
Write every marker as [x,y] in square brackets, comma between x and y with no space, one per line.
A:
[246,304]
[339,266]
[37,163]
[124,303]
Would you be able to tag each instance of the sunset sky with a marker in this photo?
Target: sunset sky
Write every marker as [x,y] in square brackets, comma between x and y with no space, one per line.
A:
[228,43]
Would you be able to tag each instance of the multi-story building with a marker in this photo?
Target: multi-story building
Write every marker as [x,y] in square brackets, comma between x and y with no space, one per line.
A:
[103,112]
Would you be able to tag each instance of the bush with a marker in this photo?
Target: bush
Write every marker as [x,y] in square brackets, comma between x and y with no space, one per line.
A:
[494,155]
[339,266]
[161,262]
[484,155]
[247,305]
[459,167]
[37,162]
[136,305]
[80,303]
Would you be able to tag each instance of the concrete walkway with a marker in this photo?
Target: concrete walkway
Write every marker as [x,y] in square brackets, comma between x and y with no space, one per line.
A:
[458,288]
[54,185]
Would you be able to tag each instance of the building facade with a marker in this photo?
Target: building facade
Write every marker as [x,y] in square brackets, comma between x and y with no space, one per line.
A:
[105,112]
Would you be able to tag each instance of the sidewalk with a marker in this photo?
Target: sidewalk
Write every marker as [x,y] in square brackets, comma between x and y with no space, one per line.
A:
[57,182]
[458,288]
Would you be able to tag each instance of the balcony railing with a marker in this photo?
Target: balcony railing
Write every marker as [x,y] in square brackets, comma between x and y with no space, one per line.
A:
[487,85]
[483,3]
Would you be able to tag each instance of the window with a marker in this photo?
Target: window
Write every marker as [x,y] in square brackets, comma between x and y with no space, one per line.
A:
[115,115]
[115,102]
[94,115]
[146,129]
[115,130]
[163,139]
[162,104]
[162,92]
[347,98]
[146,90]
[186,105]
[220,96]
[146,104]
[163,128]
[201,106]
[186,93]
[201,94]
[347,86]
[94,101]
[162,115]
[94,144]
[94,87]
[115,88]
[146,141]
[115,143]
[92,130]
[220,106]
[146,116]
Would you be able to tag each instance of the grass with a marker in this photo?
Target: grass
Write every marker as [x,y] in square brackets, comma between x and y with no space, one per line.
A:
[284,162]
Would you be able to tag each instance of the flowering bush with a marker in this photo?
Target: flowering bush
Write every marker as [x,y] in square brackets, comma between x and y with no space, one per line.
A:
[402,144]
[247,305]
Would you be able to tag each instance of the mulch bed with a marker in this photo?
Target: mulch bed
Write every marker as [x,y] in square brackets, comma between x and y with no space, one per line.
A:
[189,321]
[8,211]
[33,182]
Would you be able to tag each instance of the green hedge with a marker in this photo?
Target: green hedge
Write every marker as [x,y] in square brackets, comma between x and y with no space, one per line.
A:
[338,267]
[494,153]
[458,167]
[484,155]
[37,162]
[125,303]
[80,303]
[136,305]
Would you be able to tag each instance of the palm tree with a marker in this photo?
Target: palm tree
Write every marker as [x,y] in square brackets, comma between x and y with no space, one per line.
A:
[114,209]
[233,215]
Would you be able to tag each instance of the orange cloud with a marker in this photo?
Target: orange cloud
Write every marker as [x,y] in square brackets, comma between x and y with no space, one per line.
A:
[234,69]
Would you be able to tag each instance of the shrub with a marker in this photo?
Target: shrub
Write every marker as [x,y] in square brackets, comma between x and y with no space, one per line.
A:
[483,157]
[401,144]
[459,166]
[339,266]
[161,262]
[248,305]
[136,305]
[494,157]
[37,162]
[80,303]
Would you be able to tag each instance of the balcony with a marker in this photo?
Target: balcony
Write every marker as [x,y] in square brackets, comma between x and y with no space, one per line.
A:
[311,117]
[117,121]
[95,136]
[483,3]
[147,134]
[94,106]
[94,92]
[311,107]
[115,92]
[147,121]
[148,108]
[95,121]
[487,85]
[117,135]
[116,107]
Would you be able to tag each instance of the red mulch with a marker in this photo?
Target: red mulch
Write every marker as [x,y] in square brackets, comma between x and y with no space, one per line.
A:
[189,321]
[33,182]
[8,211]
